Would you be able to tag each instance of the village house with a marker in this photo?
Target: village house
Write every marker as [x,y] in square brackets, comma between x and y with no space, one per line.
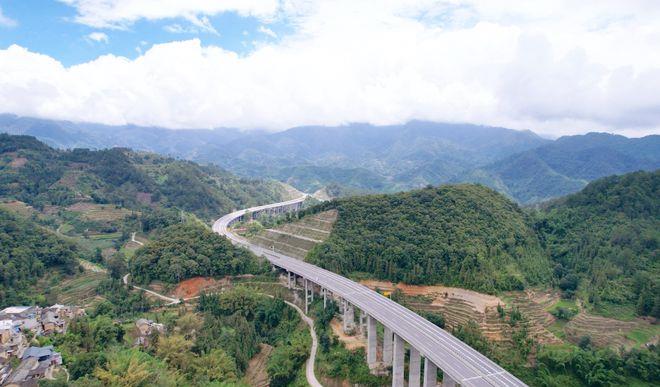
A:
[54,319]
[7,330]
[25,317]
[36,363]
[144,329]
[5,369]
[12,340]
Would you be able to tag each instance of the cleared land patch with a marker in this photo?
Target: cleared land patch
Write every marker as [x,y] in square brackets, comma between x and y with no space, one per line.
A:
[192,287]
[99,212]
[605,331]
[18,207]
[257,373]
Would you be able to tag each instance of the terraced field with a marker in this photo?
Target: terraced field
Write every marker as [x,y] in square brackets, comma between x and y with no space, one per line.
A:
[99,212]
[80,289]
[459,306]
[534,306]
[298,238]
[605,331]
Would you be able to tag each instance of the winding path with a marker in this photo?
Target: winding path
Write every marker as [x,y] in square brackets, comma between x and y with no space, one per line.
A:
[309,367]
[134,240]
[170,300]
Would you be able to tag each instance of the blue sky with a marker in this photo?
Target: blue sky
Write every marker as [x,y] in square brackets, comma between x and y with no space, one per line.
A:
[553,66]
[49,27]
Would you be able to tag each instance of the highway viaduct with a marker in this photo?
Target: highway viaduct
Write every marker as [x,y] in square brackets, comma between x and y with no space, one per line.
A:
[460,364]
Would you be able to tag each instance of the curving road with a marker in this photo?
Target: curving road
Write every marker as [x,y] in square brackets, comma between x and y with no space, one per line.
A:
[462,363]
[309,367]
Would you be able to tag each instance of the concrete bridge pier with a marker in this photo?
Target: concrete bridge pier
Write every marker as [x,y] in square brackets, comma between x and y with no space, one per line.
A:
[387,346]
[372,342]
[349,317]
[324,292]
[414,368]
[430,373]
[363,323]
[309,294]
[398,362]
[290,280]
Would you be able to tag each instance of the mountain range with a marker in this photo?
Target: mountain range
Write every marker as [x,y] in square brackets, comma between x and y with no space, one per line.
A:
[367,158]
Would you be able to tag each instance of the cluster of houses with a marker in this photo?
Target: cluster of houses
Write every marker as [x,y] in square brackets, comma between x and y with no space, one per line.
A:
[17,325]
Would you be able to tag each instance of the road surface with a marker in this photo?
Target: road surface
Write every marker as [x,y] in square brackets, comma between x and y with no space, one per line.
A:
[461,362]
[134,240]
[170,300]
[309,366]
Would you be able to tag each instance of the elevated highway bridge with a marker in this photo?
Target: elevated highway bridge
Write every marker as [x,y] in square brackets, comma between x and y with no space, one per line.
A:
[461,364]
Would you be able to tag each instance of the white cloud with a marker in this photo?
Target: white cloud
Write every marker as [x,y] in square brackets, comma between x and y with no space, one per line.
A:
[557,67]
[267,31]
[179,29]
[201,24]
[98,37]
[6,21]
[122,13]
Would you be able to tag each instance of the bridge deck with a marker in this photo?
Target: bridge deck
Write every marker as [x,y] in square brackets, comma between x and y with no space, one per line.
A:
[460,361]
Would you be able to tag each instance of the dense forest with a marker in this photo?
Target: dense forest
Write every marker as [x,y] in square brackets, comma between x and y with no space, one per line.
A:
[40,176]
[210,347]
[187,250]
[462,235]
[600,244]
[26,253]
[604,241]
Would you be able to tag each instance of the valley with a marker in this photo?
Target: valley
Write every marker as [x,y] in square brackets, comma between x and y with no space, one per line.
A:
[523,301]
[276,193]
[359,158]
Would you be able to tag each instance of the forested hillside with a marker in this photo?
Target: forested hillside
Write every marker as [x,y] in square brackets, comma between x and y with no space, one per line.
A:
[358,156]
[366,158]
[26,253]
[464,235]
[567,165]
[40,176]
[604,241]
[187,250]
[600,244]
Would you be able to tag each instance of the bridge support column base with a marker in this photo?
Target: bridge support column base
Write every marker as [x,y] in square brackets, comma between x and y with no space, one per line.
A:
[349,318]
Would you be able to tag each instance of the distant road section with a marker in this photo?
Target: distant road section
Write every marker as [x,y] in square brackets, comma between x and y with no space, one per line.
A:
[459,362]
